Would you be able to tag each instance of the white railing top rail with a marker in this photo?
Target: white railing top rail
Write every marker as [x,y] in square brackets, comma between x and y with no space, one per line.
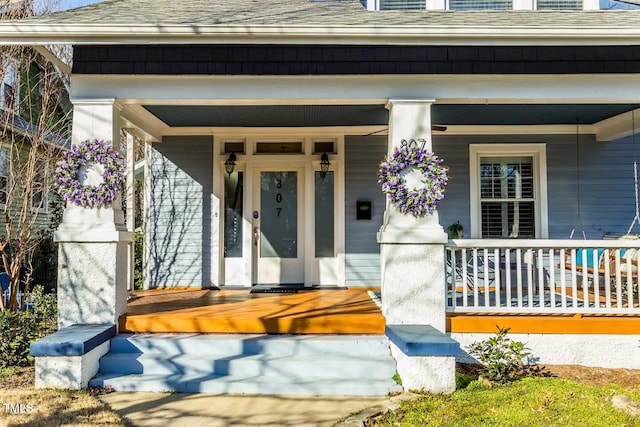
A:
[541,243]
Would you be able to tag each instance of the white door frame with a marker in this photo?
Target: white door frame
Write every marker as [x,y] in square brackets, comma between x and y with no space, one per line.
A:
[309,162]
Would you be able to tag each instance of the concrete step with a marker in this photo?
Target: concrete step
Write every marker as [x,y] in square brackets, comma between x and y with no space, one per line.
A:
[294,367]
[243,385]
[250,364]
[232,345]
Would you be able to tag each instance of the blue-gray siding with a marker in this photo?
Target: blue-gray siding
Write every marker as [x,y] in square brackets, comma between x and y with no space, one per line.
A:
[606,182]
[362,157]
[180,217]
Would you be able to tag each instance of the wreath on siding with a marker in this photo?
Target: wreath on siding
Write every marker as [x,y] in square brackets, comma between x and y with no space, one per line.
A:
[90,174]
[413,179]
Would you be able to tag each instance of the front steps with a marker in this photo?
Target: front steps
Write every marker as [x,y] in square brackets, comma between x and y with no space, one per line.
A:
[312,365]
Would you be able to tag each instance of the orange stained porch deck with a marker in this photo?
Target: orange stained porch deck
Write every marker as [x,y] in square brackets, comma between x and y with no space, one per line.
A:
[238,311]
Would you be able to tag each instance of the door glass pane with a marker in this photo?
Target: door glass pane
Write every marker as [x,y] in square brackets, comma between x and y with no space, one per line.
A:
[279,214]
[324,214]
[233,215]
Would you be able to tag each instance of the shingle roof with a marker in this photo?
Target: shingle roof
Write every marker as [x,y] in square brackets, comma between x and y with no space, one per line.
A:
[319,13]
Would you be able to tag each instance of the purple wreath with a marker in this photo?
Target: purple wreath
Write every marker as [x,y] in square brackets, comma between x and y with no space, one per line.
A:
[417,202]
[89,152]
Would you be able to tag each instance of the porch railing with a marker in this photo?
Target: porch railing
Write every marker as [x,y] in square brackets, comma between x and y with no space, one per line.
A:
[543,276]
[23,300]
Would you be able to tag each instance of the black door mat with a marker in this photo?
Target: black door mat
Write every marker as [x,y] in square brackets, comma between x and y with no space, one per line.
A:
[277,289]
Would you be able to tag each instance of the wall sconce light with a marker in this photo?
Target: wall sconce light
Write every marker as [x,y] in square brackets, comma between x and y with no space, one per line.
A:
[230,163]
[324,165]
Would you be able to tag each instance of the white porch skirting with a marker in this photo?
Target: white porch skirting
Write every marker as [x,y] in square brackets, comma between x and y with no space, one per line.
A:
[606,351]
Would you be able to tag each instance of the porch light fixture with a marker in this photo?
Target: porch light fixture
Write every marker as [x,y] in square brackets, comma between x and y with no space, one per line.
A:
[230,163]
[324,165]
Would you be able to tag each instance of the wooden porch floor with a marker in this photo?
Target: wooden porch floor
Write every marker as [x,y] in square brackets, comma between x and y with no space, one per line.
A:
[238,311]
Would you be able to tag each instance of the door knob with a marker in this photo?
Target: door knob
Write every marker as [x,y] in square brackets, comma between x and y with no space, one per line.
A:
[256,235]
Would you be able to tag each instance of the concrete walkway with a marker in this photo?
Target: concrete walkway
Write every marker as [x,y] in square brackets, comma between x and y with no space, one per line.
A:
[181,409]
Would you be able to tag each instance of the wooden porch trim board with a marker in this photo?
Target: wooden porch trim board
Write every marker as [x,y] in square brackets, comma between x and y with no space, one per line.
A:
[544,324]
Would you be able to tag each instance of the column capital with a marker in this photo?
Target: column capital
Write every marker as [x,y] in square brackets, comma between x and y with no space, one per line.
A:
[104,102]
[391,102]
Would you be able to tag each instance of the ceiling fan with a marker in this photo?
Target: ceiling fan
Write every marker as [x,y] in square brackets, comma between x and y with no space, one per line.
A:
[434,128]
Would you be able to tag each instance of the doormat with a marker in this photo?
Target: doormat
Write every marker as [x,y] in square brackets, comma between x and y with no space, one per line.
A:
[276,289]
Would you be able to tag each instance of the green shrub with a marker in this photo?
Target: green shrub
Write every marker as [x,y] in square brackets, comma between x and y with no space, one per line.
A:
[21,328]
[18,330]
[502,358]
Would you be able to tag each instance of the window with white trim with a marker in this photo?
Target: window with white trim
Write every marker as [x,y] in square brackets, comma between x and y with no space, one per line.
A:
[8,89]
[402,4]
[39,197]
[559,5]
[480,4]
[508,191]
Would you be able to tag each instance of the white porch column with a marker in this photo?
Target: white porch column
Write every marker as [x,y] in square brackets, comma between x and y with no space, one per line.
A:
[413,276]
[412,249]
[92,264]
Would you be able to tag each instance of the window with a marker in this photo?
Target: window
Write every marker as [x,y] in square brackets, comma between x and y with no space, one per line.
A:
[508,191]
[8,96]
[39,199]
[480,4]
[402,4]
[559,5]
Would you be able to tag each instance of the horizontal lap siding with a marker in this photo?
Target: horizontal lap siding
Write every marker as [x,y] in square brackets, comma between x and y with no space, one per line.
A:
[180,212]
[606,182]
[362,259]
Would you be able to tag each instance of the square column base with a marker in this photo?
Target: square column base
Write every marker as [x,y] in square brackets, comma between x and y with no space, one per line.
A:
[413,284]
[436,374]
[69,372]
[92,281]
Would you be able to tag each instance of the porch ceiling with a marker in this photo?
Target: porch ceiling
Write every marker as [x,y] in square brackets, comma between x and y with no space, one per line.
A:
[270,115]
[362,115]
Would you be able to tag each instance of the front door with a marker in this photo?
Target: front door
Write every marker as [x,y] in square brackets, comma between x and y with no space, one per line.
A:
[278,228]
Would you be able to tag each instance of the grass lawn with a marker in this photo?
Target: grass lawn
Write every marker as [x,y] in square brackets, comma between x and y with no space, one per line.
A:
[48,407]
[528,402]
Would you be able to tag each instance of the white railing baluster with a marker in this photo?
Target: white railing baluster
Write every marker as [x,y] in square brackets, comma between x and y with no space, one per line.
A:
[540,274]
[454,278]
[485,254]
[574,279]
[563,279]
[596,279]
[618,278]
[585,279]
[629,283]
[530,282]
[507,277]
[607,277]
[496,275]
[552,278]
[519,275]
[463,261]
[475,277]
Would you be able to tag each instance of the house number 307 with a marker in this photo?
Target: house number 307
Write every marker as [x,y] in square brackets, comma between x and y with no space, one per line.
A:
[278,197]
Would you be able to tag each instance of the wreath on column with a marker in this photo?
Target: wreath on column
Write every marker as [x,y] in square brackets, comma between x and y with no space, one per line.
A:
[89,154]
[413,179]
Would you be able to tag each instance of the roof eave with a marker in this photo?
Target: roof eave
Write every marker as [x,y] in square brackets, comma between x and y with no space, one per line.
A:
[36,34]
